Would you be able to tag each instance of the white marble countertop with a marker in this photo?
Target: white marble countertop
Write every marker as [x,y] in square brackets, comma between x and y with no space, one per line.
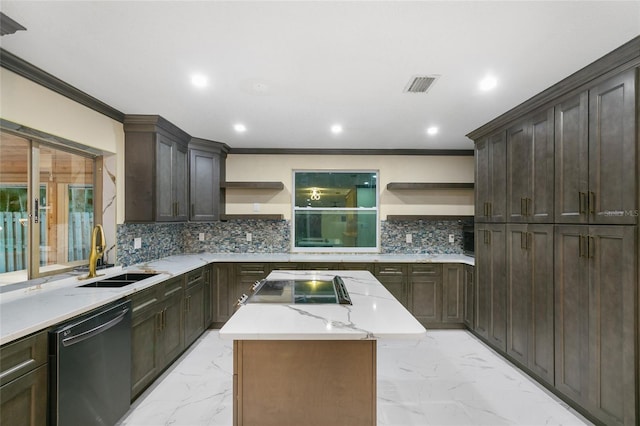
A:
[374,314]
[48,301]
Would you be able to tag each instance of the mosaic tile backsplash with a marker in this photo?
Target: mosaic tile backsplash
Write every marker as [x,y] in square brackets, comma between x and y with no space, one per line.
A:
[271,236]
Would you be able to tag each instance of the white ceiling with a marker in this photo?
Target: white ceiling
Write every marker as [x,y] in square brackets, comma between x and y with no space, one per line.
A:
[289,70]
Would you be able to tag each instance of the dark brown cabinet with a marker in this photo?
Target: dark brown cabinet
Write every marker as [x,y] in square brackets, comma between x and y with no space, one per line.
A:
[425,292]
[530,325]
[490,301]
[157,334]
[394,276]
[23,381]
[469,296]
[209,294]
[223,292]
[194,297]
[530,164]
[596,172]
[491,158]
[595,299]
[206,173]
[452,293]
[156,184]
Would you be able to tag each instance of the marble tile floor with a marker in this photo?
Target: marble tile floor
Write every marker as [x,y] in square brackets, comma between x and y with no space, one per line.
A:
[447,378]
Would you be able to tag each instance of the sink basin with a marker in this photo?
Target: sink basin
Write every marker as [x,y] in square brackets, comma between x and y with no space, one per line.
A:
[120,280]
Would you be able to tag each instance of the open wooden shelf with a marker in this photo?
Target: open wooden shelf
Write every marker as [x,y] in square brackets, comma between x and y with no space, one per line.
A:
[253,185]
[413,217]
[391,186]
[224,217]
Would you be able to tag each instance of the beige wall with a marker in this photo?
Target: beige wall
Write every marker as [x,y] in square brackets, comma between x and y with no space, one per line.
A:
[37,107]
[245,167]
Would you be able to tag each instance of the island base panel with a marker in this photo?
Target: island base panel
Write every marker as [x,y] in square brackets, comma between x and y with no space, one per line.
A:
[304,382]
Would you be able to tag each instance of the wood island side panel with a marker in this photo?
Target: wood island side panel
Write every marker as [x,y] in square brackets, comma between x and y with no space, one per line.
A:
[304,382]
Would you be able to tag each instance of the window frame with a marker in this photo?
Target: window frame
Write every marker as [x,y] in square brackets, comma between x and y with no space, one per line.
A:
[320,249]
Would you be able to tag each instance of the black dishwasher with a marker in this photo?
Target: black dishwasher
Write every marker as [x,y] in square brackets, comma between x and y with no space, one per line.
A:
[91,367]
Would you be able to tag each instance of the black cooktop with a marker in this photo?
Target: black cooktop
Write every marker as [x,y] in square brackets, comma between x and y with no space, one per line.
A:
[300,291]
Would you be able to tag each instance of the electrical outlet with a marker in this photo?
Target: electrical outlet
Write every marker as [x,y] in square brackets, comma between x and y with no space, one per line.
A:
[249,237]
[137,243]
[201,236]
[452,238]
[409,238]
[256,207]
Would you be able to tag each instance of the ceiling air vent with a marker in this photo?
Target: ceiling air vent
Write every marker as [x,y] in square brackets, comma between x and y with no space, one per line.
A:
[420,83]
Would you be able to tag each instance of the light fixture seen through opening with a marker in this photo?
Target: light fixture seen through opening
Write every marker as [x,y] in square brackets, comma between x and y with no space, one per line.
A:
[336,129]
[239,127]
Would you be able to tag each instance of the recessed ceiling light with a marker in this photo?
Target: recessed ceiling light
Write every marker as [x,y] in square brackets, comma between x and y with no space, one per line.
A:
[488,83]
[336,129]
[199,80]
[432,130]
[239,127]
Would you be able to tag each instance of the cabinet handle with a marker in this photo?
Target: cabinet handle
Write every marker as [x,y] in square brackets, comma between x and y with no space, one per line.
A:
[592,202]
[581,246]
[529,204]
[523,240]
[164,318]
[591,247]
[487,237]
[582,201]
[486,212]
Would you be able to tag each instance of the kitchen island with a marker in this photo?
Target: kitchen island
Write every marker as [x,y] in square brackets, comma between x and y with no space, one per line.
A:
[314,364]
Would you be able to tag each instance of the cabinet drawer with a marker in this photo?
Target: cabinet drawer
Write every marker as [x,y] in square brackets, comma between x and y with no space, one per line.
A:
[18,358]
[144,300]
[252,270]
[172,286]
[390,269]
[23,402]
[195,277]
[426,269]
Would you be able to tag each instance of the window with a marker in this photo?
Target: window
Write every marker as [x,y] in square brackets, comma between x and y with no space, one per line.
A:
[335,211]
[51,231]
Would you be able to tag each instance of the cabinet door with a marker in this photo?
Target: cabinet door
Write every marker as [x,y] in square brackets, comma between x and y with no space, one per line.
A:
[204,188]
[208,296]
[180,183]
[540,241]
[469,296]
[571,312]
[518,292]
[172,321]
[193,312]
[572,160]
[498,287]
[612,151]
[165,207]
[223,292]
[519,161]
[482,180]
[425,298]
[540,206]
[491,157]
[482,280]
[612,292]
[145,335]
[394,277]
[452,293]
[23,401]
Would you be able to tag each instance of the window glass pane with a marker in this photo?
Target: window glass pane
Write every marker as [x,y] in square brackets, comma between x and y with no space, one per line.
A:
[66,208]
[335,210]
[336,228]
[14,218]
[335,189]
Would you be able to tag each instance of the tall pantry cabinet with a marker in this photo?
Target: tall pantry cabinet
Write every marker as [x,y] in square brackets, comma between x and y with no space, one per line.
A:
[570,239]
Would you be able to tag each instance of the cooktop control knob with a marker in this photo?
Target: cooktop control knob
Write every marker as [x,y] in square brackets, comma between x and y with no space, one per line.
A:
[242,299]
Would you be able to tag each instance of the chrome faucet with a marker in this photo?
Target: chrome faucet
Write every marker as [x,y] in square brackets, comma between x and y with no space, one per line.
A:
[97,250]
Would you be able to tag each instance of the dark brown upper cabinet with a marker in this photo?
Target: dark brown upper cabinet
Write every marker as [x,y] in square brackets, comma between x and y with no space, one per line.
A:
[206,175]
[530,169]
[596,173]
[156,183]
[491,178]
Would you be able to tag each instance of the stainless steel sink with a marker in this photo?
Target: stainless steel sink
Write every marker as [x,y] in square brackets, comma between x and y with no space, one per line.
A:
[120,280]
